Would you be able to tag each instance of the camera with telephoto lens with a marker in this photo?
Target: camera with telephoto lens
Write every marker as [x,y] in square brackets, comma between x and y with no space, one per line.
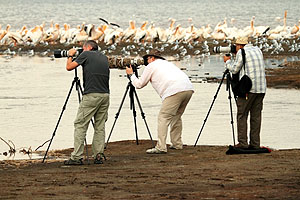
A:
[134,65]
[228,49]
[65,53]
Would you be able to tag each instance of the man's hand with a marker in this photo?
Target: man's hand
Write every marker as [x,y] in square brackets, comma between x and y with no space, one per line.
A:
[226,58]
[129,70]
[72,52]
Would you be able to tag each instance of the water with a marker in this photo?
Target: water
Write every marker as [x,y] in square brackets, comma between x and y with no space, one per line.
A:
[18,13]
[33,92]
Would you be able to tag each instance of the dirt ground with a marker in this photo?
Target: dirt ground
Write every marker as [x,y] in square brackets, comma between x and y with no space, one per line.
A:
[201,172]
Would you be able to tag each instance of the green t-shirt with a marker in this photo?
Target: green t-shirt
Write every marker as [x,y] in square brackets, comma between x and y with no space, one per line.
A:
[95,72]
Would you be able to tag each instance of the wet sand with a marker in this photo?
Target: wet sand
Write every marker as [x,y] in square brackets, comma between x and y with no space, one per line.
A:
[201,172]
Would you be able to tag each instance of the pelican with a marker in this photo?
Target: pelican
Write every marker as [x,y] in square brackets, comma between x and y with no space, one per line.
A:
[152,33]
[129,33]
[81,35]
[54,35]
[164,35]
[295,28]
[279,28]
[177,35]
[141,33]
[95,34]
[4,32]
[35,35]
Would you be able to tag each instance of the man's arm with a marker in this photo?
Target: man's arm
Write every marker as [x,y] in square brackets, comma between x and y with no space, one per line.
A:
[71,64]
[234,66]
[144,79]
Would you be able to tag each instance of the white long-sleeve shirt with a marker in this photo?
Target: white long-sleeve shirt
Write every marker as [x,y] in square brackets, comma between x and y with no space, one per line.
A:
[166,78]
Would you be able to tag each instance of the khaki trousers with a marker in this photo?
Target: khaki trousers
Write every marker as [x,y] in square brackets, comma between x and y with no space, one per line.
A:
[170,115]
[92,105]
[254,105]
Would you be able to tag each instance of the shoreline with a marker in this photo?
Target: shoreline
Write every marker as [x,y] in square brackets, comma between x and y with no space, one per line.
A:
[129,173]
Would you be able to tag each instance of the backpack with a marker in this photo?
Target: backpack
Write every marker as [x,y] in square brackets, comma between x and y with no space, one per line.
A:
[241,87]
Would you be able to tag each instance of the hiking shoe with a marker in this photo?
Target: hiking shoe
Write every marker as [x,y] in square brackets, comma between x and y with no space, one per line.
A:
[241,146]
[155,151]
[73,162]
[173,147]
[99,158]
[253,147]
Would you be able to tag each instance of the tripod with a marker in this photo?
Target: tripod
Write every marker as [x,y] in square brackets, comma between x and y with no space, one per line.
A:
[230,104]
[132,94]
[77,84]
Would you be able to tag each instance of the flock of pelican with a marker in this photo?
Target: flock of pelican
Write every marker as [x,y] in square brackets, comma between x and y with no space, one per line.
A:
[110,33]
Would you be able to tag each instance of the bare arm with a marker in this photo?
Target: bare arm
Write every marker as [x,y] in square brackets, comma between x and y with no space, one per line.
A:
[71,64]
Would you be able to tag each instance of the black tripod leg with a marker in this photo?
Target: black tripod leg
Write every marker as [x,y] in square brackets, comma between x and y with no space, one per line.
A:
[215,97]
[63,109]
[143,116]
[117,115]
[231,114]
[134,117]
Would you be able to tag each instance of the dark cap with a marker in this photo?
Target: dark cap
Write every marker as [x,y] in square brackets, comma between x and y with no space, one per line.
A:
[155,53]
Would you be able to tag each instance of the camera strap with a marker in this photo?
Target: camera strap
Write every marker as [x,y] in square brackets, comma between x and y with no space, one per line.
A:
[244,59]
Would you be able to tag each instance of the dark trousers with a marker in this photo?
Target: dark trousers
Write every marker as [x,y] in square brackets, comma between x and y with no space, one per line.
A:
[254,105]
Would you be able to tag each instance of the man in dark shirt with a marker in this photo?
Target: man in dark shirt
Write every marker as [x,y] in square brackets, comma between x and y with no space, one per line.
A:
[95,101]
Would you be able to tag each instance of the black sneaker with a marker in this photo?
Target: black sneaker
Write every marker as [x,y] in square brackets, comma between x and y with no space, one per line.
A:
[99,158]
[73,162]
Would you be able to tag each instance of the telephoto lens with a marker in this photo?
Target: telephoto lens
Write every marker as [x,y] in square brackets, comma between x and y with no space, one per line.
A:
[65,53]
[228,49]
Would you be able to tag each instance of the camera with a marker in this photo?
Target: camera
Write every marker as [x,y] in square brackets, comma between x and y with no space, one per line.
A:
[65,53]
[228,49]
[134,65]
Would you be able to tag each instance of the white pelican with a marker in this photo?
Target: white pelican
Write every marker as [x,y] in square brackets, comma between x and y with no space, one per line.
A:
[141,33]
[164,35]
[4,32]
[53,36]
[81,35]
[152,34]
[279,28]
[35,35]
[129,33]
[177,35]
[14,37]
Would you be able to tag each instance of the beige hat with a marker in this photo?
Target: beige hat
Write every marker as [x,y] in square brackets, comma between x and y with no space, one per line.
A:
[241,40]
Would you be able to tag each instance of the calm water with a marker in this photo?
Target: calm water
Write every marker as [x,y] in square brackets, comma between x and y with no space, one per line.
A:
[19,12]
[33,91]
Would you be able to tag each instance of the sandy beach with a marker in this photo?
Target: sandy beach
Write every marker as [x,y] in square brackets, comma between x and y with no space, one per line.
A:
[201,172]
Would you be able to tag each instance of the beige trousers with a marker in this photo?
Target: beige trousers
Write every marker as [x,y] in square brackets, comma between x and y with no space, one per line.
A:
[92,105]
[170,115]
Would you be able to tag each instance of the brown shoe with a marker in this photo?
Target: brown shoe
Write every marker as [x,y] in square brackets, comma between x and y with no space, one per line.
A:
[241,146]
[73,162]
[253,147]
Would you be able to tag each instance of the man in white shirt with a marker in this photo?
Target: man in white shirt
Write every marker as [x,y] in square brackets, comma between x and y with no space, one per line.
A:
[175,90]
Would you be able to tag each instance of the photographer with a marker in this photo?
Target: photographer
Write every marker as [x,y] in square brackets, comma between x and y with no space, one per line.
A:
[253,102]
[175,89]
[95,101]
